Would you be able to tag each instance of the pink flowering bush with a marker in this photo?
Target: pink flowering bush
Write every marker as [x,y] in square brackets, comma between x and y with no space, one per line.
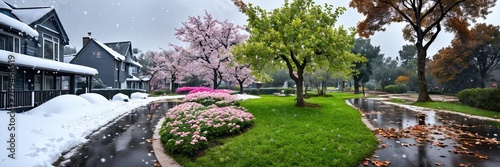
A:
[187,89]
[218,98]
[188,127]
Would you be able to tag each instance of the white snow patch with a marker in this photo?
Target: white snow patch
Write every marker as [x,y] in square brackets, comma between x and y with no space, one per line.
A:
[95,98]
[46,64]
[139,95]
[16,24]
[120,97]
[245,97]
[41,140]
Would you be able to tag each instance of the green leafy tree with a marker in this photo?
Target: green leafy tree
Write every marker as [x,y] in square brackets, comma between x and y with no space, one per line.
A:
[407,54]
[424,19]
[301,36]
[363,69]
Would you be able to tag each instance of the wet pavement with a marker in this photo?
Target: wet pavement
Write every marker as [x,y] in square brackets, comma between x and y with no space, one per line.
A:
[126,142]
[445,139]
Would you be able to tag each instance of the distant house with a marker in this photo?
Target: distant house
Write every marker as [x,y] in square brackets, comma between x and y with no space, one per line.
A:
[33,40]
[116,63]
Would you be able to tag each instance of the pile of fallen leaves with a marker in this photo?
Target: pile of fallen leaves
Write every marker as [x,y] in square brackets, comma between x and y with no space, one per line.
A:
[434,135]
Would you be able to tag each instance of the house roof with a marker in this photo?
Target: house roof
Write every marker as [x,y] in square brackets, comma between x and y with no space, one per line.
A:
[120,47]
[30,15]
[123,48]
[115,54]
[45,64]
[132,78]
[4,5]
[36,16]
[18,25]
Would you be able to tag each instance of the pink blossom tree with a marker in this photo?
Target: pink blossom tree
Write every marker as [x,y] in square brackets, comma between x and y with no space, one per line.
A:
[164,65]
[241,74]
[209,46]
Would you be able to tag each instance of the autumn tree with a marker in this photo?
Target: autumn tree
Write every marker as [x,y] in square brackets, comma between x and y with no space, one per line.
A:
[363,70]
[209,44]
[480,55]
[425,20]
[299,35]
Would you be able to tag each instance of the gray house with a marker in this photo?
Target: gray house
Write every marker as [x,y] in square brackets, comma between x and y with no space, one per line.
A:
[117,66]
[32,68]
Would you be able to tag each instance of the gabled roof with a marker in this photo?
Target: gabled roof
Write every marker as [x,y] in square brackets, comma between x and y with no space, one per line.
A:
[30,15]
[120,47]
[123,48]
[38,15]
[115,54]
[18,25]
[4,5]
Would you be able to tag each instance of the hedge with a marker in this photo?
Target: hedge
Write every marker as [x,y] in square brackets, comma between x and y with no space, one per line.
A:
[486,98]
[399,88]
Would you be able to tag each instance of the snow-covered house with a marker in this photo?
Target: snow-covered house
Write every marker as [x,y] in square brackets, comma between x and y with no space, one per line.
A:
[31,46]
[116,63]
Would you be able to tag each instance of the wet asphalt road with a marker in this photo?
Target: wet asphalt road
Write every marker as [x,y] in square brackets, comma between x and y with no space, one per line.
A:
[427,154]
[125,143]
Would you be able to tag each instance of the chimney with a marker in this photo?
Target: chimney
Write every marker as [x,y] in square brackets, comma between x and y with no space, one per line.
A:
[86,40]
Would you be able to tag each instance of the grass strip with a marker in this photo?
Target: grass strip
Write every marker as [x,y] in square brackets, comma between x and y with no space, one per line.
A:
[457,107]
[285,135]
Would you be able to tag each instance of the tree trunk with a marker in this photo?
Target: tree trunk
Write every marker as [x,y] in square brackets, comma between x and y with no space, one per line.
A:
[300,96]
[305,90]
[363,88]
[356,85]
[241,86]
[323,87]
[423,95]
[215,86]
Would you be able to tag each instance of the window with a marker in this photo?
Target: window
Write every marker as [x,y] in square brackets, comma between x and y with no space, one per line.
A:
[49,82]
[133,69]
[10,43]
[38,82]
[50,47]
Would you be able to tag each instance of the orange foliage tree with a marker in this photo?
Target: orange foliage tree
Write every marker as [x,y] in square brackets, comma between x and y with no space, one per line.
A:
[403,79]
[424,19]
[482,53]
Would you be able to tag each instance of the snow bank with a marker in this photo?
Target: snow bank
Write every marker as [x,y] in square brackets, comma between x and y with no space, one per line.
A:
[120,97]
[61,104]
[40,140]
[95,98]
[139,95]
[245,97]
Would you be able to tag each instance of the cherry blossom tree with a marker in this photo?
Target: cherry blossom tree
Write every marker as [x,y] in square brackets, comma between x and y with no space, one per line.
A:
[239,73]
[209,43]
[165,65]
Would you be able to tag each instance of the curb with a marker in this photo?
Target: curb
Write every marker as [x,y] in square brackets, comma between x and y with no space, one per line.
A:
[158,149]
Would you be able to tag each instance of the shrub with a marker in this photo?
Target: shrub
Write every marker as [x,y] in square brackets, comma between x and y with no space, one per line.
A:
[399,88]
[288,91]
[486,98]
[187,89]
[211,98]
[160,92]
[189,126]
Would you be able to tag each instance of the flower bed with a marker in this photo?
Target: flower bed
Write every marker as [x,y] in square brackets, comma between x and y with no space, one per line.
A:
[190,90]
[188,127]
[220,99]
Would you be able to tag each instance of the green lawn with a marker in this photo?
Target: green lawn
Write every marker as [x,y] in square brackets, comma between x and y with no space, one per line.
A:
[285,135]
[459,108]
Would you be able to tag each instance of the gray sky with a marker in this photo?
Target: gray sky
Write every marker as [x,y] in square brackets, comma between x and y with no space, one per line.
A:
[150,24]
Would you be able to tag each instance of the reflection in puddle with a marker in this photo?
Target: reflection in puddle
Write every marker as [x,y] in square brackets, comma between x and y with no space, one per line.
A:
[445,140]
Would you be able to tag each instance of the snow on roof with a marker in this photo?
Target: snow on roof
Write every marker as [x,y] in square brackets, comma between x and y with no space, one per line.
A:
[41,63]
[133,78]
[144,78]
[31,15]
[117,55]
[16,24]
[4,5]
[136,64]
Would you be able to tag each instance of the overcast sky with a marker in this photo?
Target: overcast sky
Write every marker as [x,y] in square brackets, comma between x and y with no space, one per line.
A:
[150,24]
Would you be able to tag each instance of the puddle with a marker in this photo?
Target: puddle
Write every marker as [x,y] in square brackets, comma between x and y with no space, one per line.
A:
[127,142]
[446,139]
